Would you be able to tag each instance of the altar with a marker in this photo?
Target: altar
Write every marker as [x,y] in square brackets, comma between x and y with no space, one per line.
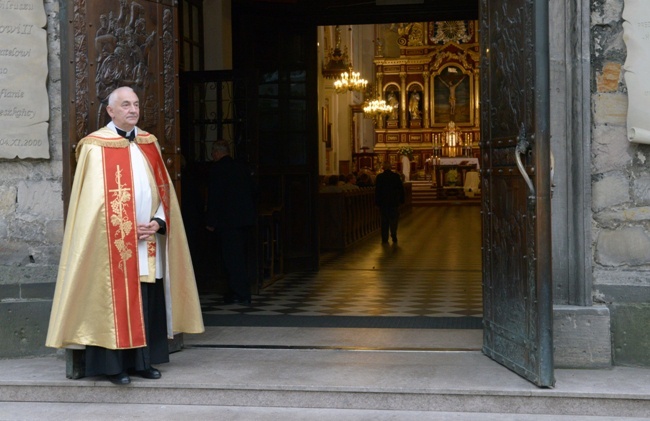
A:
[450,175]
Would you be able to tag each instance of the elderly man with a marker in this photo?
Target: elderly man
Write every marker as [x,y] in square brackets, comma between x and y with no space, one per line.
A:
[125,281]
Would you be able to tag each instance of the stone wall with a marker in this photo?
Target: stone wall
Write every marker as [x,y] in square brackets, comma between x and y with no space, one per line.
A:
[31,225]
[621,194]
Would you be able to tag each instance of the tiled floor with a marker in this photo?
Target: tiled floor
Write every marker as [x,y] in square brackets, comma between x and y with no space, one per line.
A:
[434,271]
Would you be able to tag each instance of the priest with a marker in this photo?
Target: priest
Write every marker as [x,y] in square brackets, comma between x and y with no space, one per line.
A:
[125,282]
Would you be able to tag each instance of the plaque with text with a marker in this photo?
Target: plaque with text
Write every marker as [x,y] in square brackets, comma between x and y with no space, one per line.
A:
[636,33]
[24,103]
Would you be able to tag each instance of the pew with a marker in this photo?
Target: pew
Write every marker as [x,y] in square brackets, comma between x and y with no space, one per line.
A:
[349,216]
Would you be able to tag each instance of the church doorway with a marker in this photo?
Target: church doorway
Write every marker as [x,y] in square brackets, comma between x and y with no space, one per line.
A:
[272,48]
[288,172]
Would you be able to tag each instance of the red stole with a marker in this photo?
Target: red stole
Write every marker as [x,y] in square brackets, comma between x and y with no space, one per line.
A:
[123,248]
[157,166]
[123,239]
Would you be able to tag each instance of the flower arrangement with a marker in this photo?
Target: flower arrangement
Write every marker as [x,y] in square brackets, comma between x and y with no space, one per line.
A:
[452,177]
[406,150]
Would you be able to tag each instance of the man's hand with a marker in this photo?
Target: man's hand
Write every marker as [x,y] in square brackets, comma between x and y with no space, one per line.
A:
[147,230]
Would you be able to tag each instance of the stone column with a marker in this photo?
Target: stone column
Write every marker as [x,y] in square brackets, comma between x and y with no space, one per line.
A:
[425,76]
[475,105]
[379,94]
[403,119]
[379,91]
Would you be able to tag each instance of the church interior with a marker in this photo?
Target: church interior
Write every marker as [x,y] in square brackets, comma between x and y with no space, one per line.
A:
[415,93]
[406,93]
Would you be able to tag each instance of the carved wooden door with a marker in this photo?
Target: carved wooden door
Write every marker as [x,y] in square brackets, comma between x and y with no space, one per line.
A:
[516,187]
[113,43]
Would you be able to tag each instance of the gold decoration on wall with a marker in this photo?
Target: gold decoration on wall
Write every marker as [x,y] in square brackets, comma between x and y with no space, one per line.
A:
[336,60]
[450,31]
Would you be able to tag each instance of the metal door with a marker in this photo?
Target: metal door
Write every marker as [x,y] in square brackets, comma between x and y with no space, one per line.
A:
[515,159]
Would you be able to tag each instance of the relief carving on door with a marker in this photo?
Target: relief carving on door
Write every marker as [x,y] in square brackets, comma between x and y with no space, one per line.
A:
[510,107]
[123,48]
[126,43]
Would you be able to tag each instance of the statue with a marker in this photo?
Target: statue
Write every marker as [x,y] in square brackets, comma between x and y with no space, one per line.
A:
[452,93]
[393,102]
[414,105]
[380,48]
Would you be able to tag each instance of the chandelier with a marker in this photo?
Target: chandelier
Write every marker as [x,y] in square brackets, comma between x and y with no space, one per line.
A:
[350,81]
[377,108]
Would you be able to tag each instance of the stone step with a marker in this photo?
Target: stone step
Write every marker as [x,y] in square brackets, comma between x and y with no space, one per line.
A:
[110,412]
[390,379]
[422,193]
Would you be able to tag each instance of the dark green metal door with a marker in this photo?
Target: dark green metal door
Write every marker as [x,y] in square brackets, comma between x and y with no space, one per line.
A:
[515,161]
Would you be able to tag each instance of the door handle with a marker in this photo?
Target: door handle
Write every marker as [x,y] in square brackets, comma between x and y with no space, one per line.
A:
[552,174]
[522,148]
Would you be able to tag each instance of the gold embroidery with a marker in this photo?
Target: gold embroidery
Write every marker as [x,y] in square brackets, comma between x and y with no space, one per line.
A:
[105,143]
[151,248]
[120,219]
[164,188]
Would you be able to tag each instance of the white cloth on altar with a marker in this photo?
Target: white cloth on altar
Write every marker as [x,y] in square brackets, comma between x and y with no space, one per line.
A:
[460,160]
[472,183]
[406,168]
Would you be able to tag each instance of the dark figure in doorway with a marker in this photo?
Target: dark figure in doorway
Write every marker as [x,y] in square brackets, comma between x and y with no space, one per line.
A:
[389,194]
[231,214]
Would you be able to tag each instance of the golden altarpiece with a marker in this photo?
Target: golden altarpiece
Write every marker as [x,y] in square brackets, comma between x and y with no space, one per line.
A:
[432,88]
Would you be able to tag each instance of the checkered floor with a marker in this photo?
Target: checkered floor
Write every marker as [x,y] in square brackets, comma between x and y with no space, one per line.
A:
[434,270]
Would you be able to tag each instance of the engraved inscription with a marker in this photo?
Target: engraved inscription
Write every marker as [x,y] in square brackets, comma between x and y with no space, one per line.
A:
[24,102]
[17,5]
[636,27]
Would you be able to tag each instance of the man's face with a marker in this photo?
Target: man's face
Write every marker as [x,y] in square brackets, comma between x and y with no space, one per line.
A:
[125,111]
[217,155]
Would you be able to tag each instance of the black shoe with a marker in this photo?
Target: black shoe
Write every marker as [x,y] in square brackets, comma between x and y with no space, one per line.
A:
[236,299]
[119,379]
[150,373]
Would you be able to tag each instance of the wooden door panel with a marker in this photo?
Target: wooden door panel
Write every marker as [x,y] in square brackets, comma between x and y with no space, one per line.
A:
[116,43]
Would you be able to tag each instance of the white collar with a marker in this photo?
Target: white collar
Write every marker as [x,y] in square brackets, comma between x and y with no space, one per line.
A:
[113,127]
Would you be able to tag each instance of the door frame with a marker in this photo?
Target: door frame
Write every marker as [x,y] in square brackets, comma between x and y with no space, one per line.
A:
[569,47]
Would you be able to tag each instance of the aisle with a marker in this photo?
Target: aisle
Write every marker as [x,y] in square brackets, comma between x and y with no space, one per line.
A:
[431,279]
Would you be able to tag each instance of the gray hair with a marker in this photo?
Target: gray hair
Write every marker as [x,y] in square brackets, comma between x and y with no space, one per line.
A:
[113,96]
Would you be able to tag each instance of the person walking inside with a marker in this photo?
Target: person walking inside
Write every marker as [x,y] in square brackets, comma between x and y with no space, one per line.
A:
[231,213]
[389,194]
[125,282]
